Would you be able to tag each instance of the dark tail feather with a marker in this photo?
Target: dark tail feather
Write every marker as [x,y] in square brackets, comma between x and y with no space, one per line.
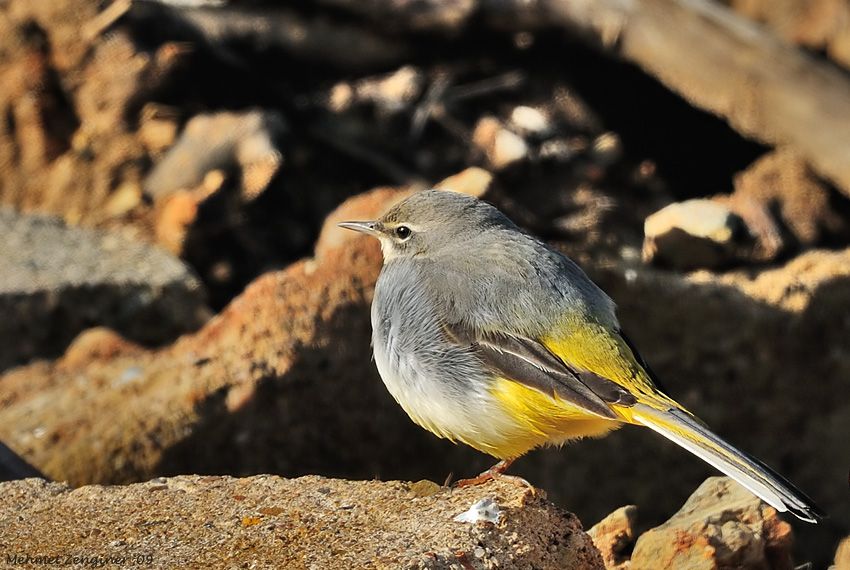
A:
[683,429]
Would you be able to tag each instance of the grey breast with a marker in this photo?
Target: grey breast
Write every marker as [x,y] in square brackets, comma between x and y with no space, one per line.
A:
[408,335]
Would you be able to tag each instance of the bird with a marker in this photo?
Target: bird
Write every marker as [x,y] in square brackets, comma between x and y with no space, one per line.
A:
[487,336]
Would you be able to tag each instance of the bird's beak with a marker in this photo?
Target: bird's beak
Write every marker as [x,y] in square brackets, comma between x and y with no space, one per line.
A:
[362,227]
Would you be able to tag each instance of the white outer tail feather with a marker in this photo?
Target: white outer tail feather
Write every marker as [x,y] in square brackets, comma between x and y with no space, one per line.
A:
[775,492]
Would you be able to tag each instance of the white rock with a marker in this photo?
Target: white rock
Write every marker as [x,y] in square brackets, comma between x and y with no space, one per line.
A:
[530,120]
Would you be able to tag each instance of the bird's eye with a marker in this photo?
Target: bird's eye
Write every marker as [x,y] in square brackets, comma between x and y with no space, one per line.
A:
[402,232]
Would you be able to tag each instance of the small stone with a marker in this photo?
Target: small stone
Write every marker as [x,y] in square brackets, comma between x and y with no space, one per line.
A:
[389,93]
[424,488]
[502,146]
[473,181]
[157,134]
[607,149]
[395,91]
[692,234]
[125,198]
[530,120]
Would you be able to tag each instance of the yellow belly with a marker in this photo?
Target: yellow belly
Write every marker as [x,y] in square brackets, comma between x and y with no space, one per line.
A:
[541,419]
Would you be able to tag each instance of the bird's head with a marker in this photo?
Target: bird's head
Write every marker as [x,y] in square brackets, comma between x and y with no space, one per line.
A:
[432,222]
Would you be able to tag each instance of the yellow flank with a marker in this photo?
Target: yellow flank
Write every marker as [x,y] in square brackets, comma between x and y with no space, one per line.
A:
[544,419]
[595,348]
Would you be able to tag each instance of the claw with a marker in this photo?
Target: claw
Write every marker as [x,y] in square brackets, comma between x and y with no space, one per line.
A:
[494,473]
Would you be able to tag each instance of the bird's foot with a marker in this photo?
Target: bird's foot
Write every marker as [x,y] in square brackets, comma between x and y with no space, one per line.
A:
[497,472]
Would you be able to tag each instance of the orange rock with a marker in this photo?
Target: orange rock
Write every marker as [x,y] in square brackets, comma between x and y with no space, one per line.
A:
[614,536]
[722,525]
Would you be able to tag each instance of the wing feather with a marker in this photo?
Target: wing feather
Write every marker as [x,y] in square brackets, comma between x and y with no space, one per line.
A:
[529,362]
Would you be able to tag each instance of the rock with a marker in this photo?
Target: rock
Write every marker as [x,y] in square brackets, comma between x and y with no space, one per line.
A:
[842,555]
[531,120]
[158,130]
[502,146]
[473,181]
[778,207]
[614,536]
[176,213]
[691,234]
[390,93]
[785,206]
[70,145]
[311,522]
[722,525]
[221,141]
[57,281]
[821,25]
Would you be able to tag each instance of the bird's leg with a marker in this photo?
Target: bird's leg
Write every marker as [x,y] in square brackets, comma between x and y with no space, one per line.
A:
[495,472]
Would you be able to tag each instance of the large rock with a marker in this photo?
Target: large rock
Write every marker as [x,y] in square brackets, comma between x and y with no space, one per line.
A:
[722,525]
[269,522]
[56,281]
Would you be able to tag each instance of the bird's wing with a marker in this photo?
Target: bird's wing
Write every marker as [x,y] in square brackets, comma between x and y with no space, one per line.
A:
[530,362]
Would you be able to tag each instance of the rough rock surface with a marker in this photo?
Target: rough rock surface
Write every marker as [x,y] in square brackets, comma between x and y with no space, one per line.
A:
[282,381]
[70,148]
[56,281]
[822,25]
[722,525]
[785,206]
[779,207]
[269,522]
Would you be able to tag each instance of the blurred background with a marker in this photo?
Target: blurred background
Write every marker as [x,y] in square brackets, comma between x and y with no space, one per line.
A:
[172,304]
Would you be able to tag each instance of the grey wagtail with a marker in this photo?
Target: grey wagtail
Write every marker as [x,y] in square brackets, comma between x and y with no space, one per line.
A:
[486,336]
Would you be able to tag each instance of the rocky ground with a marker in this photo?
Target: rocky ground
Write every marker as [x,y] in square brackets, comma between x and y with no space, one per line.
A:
[176,298]
[314,522]
[311,522]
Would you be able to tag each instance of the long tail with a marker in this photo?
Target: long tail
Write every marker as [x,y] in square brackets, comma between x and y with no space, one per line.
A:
[683,429]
